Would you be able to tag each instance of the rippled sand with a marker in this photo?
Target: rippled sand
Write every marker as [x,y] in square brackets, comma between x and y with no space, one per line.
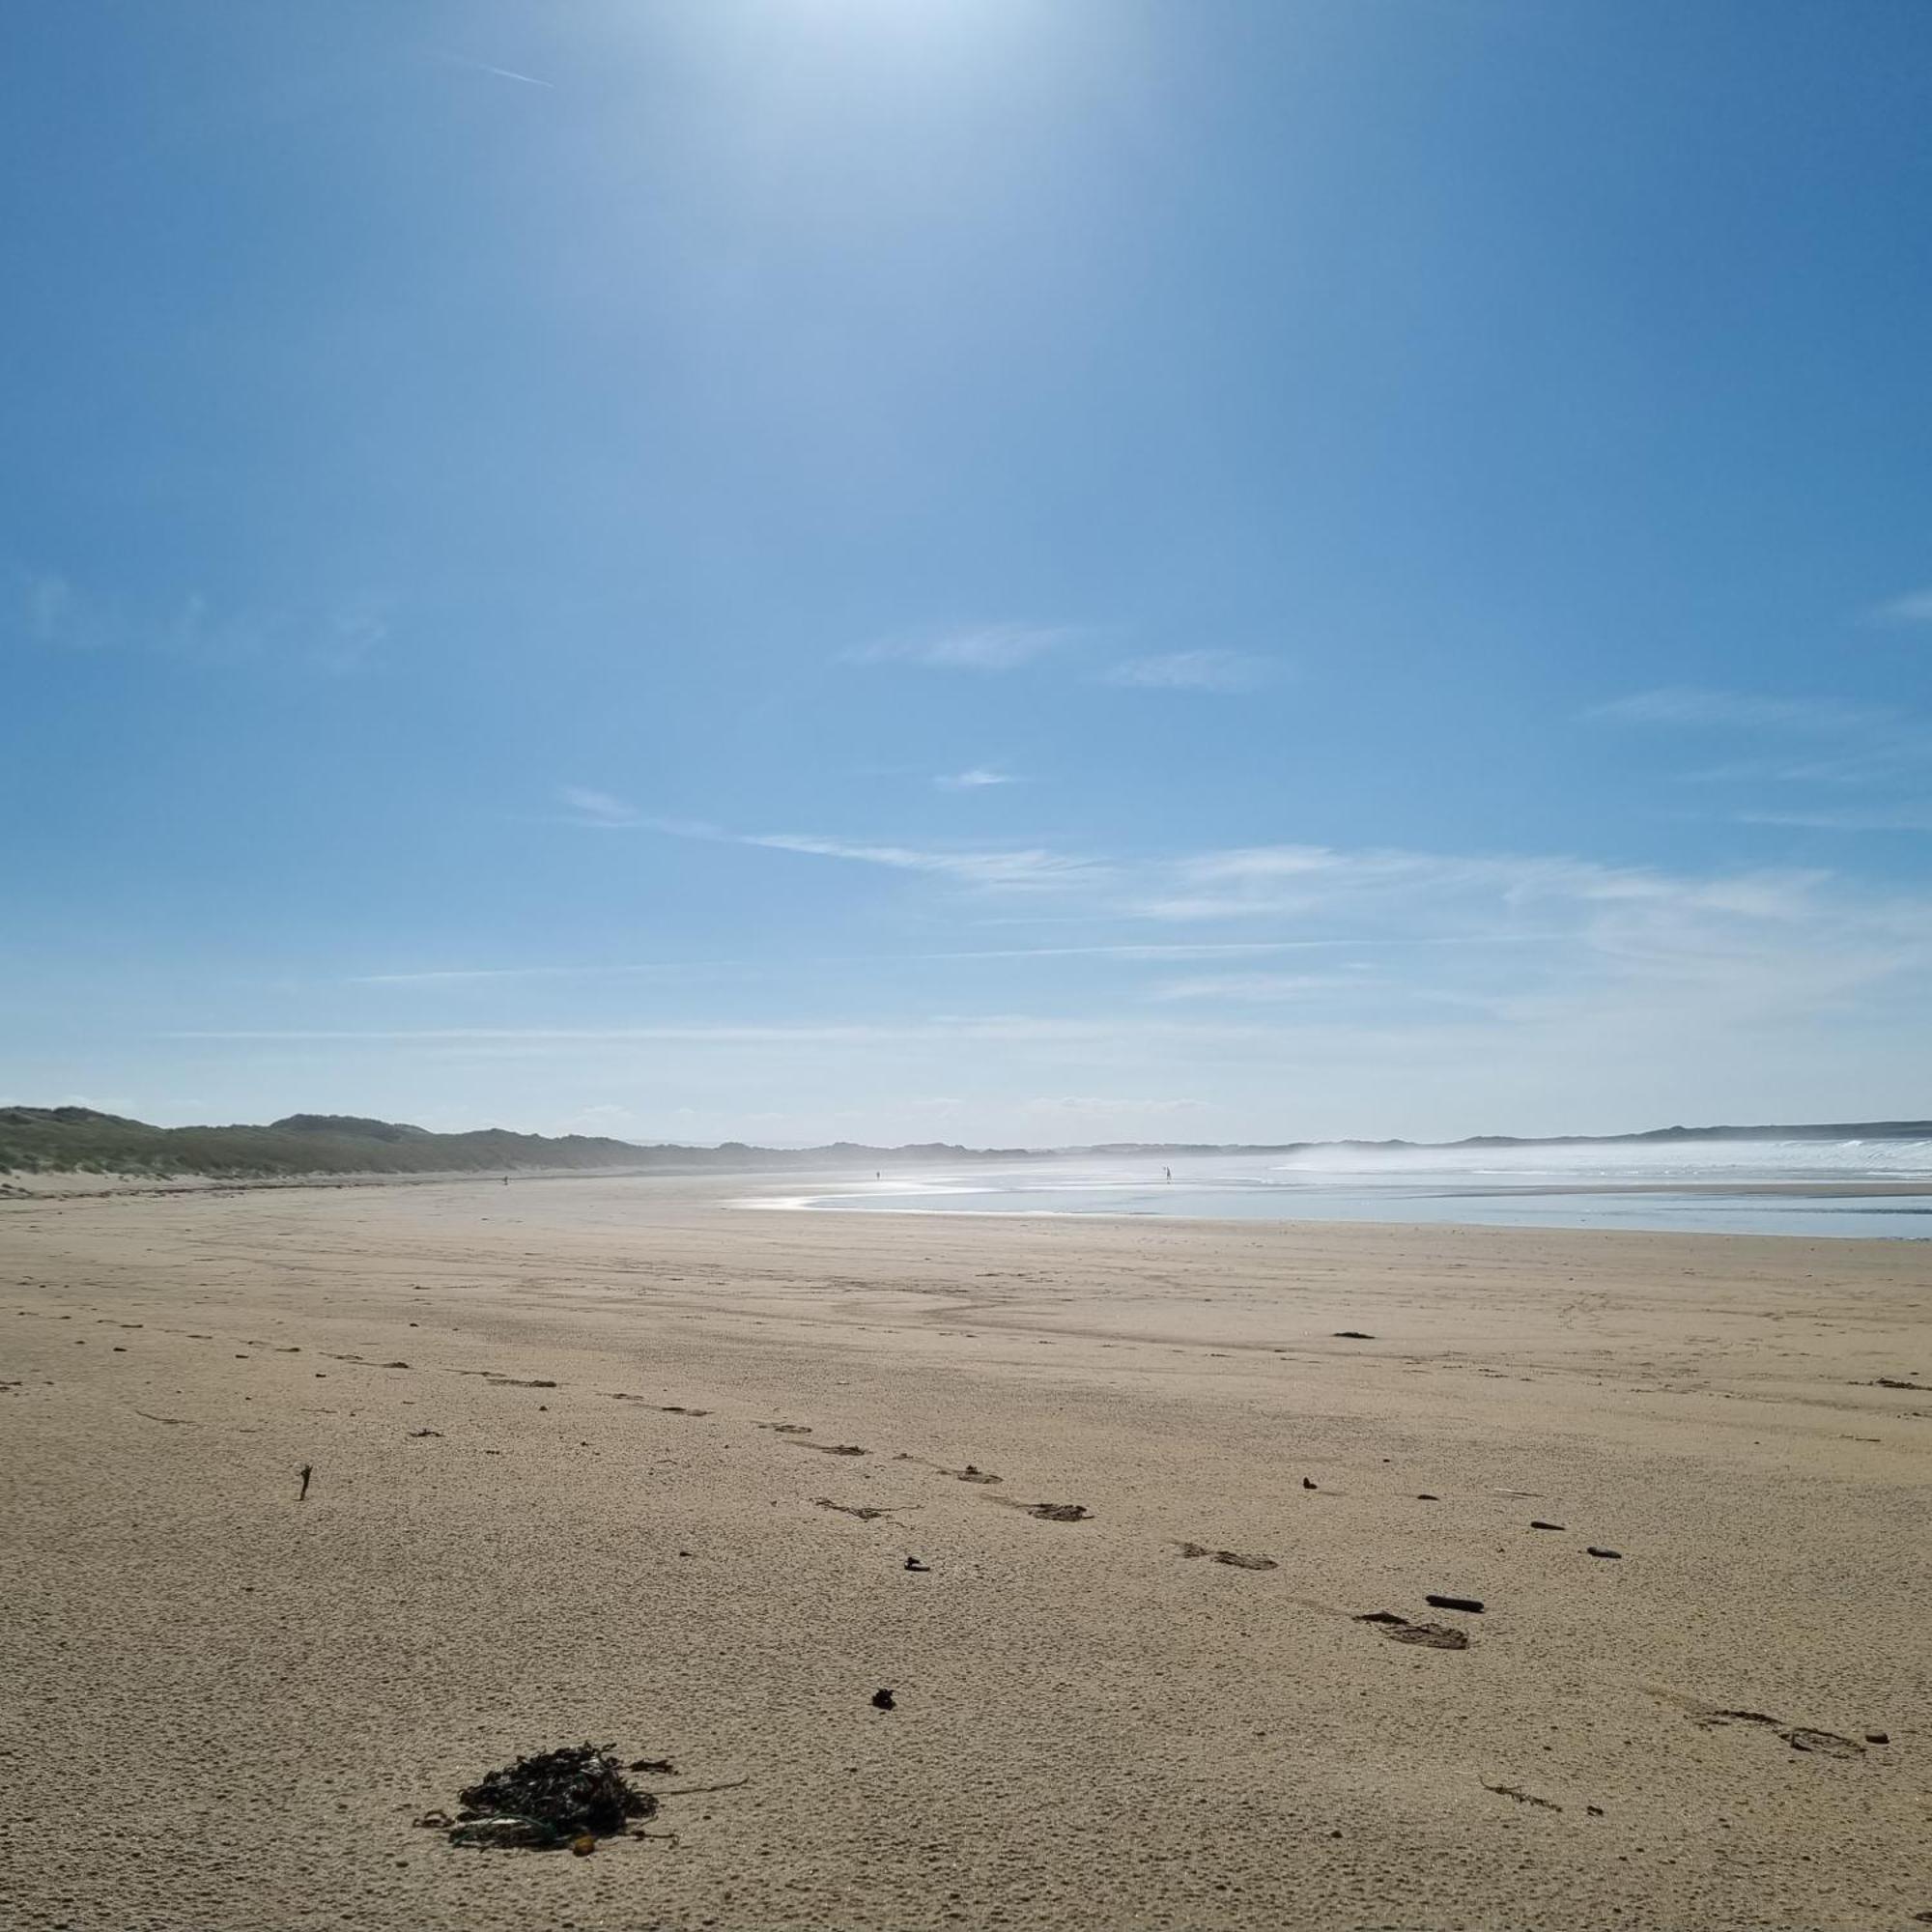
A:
[566,1442]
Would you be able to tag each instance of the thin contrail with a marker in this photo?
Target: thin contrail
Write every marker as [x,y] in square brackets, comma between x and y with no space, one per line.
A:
[501,72]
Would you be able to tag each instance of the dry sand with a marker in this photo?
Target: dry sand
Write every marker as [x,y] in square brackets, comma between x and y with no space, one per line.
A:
[222,1708]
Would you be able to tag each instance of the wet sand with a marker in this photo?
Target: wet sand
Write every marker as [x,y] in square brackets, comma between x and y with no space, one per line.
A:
[551,1501]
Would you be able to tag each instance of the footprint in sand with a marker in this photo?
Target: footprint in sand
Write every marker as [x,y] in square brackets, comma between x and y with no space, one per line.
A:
[831,1448]
[1800,1737]
[1431,1637]
[1826,1744]
[1228,1556]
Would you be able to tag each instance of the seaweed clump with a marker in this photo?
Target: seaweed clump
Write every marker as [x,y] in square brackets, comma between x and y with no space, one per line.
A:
[552,1798]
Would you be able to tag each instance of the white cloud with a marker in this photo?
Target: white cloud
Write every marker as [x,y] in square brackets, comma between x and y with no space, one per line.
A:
[1851,743]
[456,975]
[974,778]
[1025,868]
[197,630]
[350,638]
[1300,879]
[939,1027]
[1646,995]
[1901,818]
[1149,949]
[597,809]
[1181,950]
[1511,939]
[1914,607]
[1251,989]
[1015,869]
[984,647]
[1191,670]
[52,611]
[1693,705]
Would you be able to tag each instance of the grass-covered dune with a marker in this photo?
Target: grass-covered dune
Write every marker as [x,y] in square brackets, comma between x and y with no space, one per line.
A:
[71,1140]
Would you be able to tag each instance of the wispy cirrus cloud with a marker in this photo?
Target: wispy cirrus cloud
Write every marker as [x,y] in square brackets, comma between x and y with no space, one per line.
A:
[1155,949]
[599,811]
[349,638]
[1725,946]
[1896,819]
[1724,950]
[1021,867]
[978,647]
[976,777]
[1127,952]
[1737,710]
[460,975]
[1021,1027]
[1820,740]
[1390,895]
[1006,867]
[1256,988]
[1914,607]
[53,611]
[1277,879]
[1212,671]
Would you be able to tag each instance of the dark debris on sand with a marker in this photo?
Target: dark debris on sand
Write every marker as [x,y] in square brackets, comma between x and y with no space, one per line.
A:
[1429,1637]
[1233,1558]
[554,1797]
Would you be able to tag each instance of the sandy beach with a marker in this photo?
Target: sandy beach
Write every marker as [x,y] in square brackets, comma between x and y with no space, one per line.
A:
[575,1476]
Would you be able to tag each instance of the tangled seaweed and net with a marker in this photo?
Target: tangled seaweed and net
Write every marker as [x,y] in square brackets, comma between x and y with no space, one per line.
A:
[552,1798]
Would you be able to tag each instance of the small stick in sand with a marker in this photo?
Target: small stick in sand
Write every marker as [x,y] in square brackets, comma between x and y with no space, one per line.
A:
[307,1470]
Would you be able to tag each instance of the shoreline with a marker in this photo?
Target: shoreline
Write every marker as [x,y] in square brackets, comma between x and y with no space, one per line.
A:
[1391,1206]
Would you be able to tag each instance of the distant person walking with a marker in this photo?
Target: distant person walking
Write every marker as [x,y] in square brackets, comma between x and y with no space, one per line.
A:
[1168,1172]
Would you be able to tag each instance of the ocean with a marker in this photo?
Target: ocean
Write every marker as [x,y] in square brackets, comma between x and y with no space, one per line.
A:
[1694,1187]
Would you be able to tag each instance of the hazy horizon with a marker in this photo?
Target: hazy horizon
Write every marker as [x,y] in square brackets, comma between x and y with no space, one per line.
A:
[1017,572]
[1799,1135]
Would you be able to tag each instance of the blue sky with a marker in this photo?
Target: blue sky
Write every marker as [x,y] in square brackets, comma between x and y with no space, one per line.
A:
[1022,571]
